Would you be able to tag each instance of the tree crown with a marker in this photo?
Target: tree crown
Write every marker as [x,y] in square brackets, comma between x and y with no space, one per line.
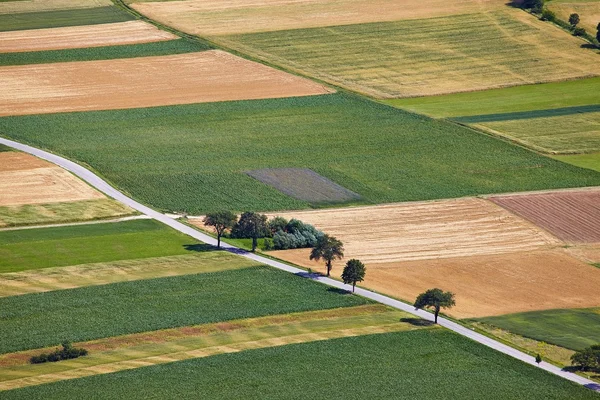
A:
[354,271]
[435,298]
[327,248]
[224,219]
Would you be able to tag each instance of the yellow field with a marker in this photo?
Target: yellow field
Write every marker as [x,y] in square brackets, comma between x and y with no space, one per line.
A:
[589,12]
[20,6]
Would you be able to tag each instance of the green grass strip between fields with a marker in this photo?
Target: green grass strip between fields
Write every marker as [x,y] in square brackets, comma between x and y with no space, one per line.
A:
[422,364]
[555,112]
[60,18]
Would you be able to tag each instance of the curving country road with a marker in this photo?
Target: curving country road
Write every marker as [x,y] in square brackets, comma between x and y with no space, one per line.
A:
[104,187]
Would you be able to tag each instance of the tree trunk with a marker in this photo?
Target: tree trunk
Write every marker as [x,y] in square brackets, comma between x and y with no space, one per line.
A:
[328,267]
[353,286]
[218,241]
[437,311]
[254,243]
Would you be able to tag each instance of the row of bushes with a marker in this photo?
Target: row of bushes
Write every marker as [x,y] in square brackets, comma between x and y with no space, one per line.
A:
[587,359]
[67,352]
[283,234]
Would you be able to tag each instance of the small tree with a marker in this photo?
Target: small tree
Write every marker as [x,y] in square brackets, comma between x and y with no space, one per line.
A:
[436,299]
[252,225]
[538,358]
[327,248]
[573,20]
[221,221]
[579,31]
[354,271]
[588,358]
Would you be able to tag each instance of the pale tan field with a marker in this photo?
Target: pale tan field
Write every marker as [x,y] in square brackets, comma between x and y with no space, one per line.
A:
[225,17]
[73,37]
[426,230]
[25,179]
[20,6]
[484,285]
[144,82]
[589,13]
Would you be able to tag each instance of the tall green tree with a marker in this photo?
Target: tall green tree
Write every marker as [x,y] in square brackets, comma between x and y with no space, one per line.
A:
[573,20]
[354,271]
[327,248]
[436,299]
[252,225]
[221,221]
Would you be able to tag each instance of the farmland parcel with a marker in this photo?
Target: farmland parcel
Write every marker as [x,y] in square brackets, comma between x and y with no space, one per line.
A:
[193,158]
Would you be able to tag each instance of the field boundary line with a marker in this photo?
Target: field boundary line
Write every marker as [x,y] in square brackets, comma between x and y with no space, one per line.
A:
[92,222]
[110,191]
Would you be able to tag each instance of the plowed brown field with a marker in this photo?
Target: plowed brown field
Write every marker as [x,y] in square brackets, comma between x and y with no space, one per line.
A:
[130,32]
[25,179]
[216,17]
[144,82]
[572,216]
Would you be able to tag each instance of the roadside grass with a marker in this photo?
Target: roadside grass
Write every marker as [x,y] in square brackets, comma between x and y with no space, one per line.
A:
[5,148]
[56,213]
[193,158]
[29,249]
[163,48]
[59,18]
[590,161]
[573,329]
[426,57]
[545,96]
[421,364]
[130,307]
[60,278]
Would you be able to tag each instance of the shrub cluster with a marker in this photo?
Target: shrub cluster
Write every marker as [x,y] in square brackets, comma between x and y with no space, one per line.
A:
[293,234]
[588,358]
[66,353]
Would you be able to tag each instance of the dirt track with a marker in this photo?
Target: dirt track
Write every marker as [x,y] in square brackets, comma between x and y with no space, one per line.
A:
[144,82]
[572,216]
[121,33]
[25,179]
[224,17]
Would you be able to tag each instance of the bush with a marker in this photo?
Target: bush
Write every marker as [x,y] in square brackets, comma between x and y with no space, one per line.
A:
[67,352]
[588,358]
[548,15]
[579,31]
[296,235]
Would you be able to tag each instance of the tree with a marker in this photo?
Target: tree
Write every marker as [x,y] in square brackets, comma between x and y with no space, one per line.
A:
[436,299]
[252,225]
[573,20]
[221,221]
[327,248]
[354,271]
[588,358]
[538,358]
[579,31]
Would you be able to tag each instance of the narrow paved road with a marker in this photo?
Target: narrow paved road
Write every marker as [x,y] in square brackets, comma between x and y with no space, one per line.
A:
[104,187]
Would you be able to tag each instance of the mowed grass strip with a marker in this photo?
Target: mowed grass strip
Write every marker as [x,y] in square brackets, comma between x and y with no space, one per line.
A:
[544,96]
[574,329]
[58,18]
[56,213]
[422,364]
[590,161]
[193,157]
[427,56]
[28,249]
[23,6]
[178,46]
[130,307]
[60,278]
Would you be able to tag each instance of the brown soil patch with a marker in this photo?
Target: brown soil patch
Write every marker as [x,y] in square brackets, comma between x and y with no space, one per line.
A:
[144,82]
[21,6]
[224,17]
[425,230]
[74,37]
[572,216]
[25,179]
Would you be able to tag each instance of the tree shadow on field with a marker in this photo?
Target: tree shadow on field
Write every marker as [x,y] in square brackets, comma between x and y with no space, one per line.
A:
[417,321]
[199,247]
[338,291]
[590,46]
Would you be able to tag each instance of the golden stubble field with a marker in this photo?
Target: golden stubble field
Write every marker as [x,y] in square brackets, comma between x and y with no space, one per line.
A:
[495,262]
[144,82]
[589,13]
[20,6]
[130,32]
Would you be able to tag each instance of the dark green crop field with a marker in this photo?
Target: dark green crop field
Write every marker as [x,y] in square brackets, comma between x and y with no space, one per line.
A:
[45,319]
[178,46]
[193,157]
[58,18]
[574,329]
[424,364]
[81,244]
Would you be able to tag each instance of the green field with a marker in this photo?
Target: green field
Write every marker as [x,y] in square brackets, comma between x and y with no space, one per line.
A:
[59,18]
[546,96]
[573,329]
[178,46]
[193,158]
[27,249]
[46,319]
[422,364]
[590,161]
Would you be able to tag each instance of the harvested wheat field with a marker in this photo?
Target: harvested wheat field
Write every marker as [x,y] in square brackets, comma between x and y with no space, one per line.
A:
[426,230]
[144,82]
[25,179]
[589,12]
[573,216]
[73,37]
[215,17]
[21,6]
